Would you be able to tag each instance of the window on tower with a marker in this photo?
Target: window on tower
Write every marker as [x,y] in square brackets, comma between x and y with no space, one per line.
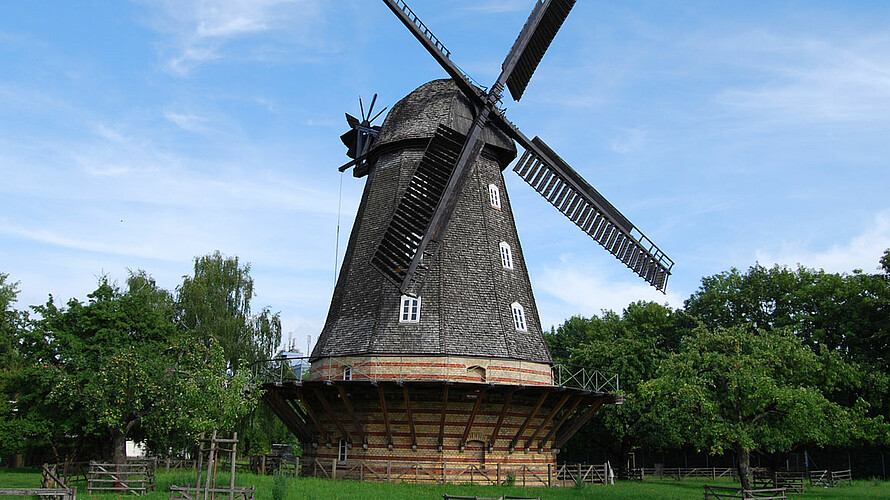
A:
[519,317]
[409,310]
[506,255]
[342,450]
[494,195]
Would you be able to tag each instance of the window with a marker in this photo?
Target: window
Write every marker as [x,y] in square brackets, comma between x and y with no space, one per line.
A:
[341,451]
[409,310]
[494,195]
[347,373]
[519,317]
[506,256]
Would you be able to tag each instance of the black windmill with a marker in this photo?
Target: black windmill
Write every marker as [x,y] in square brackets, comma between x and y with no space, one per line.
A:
[433,306]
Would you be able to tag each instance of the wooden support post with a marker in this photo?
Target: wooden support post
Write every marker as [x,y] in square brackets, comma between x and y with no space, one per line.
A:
[528,420]
[385,416]
[333,468]
[479,397]
[321,430]
[549,475]
[504,409]
[562,420]
[333,416]
[581,420]
[499,473]
[442,421]
[358,425]
[232,469]
[410,417]
[562,401]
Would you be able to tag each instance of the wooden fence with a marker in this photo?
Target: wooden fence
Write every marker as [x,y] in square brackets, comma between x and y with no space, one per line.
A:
[492,474]
[790,480]
[43,493]
[726,493]
[136,477]
[829,478]
[682,472]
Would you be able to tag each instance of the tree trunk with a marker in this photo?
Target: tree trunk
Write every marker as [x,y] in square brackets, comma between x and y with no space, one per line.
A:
[744,467]
[119,446]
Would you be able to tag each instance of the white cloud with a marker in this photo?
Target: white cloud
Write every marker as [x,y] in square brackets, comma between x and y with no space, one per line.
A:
[860,252]
[586,289]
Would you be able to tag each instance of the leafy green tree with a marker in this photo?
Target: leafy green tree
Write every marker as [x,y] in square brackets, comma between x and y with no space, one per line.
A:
[118,367]
[849,313]
[632,345]
[744,390]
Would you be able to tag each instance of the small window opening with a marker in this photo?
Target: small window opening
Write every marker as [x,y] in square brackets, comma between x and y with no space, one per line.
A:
[506,256]
[409,311]
[347,373]
[519,317]
[494,195]
[342,450]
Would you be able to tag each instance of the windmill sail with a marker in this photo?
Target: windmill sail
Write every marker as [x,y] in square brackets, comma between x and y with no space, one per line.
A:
[411,220]
[566,190]
[531,44]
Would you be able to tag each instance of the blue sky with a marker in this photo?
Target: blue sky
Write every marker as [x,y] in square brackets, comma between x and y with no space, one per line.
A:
[138,135]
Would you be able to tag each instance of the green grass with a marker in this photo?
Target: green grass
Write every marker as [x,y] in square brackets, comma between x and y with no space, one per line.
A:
[323,489]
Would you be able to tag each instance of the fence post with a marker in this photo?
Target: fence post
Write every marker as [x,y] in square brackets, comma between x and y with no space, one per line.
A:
[549,475]
[388,471]
[333,468]
[499,473]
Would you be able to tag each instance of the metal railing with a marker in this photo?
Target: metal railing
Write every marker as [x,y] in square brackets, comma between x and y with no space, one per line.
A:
[451,369]
[583,377]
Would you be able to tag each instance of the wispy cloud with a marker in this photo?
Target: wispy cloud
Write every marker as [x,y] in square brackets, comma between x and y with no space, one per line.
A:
[585,289]
[198,31]
[814,79]
[860,252]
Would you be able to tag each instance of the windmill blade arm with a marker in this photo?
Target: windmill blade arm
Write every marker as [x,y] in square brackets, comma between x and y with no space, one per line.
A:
[566,190]
[435,48]
[531,44]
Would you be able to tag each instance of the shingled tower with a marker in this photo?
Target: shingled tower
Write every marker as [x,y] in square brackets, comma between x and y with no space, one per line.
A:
[477,303]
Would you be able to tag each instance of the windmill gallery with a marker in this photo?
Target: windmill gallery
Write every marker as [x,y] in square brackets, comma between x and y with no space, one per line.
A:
[432,356]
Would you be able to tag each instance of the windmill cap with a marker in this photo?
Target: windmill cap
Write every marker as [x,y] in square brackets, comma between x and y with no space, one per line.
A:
[440,102]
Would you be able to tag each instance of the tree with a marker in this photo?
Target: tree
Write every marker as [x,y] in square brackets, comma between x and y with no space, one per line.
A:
[215,307]
[755,390]
[215,304]
[117,366]
[632,345]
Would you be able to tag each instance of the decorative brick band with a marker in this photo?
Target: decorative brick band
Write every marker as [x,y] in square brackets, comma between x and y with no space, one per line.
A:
[432,368]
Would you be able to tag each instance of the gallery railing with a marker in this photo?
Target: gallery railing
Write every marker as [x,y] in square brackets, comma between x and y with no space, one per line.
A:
[292,369]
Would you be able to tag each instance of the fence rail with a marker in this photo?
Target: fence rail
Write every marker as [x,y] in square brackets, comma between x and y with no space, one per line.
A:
[682,472]
[725,493]
[136,477]
[463,473]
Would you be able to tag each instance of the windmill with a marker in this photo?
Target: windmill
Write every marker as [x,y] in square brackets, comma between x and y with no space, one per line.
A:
[432,356]
[426,208]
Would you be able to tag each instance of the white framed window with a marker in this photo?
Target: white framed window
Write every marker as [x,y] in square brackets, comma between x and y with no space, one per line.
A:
[409,309]
[347,372]
[494,196]
[506,255]
[342,451]
[519,316]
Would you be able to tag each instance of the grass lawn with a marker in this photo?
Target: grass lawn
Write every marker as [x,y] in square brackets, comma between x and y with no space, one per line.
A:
[268,488]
